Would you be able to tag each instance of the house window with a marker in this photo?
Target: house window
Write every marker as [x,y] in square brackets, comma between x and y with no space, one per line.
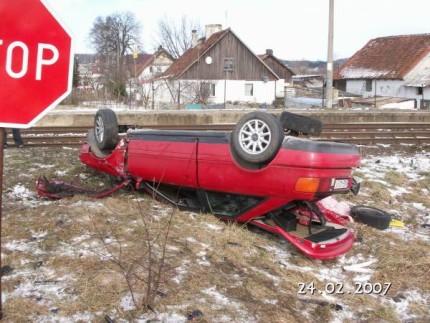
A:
[156,70]
[419,91]
[249,89]
[229,64]
[369,85]
[208,89]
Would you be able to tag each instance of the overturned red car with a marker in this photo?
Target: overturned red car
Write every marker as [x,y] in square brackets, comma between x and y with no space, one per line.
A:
[262,173]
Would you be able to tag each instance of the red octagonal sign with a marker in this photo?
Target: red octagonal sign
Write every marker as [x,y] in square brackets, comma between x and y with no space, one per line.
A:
[36,62]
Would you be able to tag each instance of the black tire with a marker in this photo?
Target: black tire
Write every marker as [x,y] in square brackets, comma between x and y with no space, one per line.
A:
[371,216]
[91,139]
[257,137]
[106,129]
[300,124]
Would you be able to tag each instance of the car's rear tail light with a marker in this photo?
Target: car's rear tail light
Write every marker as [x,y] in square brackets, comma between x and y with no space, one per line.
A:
[307,184]
[314,185]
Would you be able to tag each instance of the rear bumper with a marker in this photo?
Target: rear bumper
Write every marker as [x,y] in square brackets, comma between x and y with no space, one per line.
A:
[314,250]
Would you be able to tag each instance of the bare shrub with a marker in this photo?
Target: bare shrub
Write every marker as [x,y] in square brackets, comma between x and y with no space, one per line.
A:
[142,264]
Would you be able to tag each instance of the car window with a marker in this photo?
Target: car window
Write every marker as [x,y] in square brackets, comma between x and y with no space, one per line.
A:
[230,204]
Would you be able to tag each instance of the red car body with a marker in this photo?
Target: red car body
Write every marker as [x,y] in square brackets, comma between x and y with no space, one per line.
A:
[274,196]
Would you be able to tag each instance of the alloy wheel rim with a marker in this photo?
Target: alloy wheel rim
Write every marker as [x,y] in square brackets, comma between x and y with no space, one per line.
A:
[100,129]
[254,136]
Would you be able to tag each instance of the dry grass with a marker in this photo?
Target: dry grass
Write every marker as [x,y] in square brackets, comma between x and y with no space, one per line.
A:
[396,179]
[228,271]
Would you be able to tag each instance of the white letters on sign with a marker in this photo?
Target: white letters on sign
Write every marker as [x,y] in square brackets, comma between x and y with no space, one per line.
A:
[41,60]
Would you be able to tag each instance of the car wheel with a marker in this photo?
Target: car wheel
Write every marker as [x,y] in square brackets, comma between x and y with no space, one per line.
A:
[371,216]
[106,129]
[257,137]
[91,139]
[296,123]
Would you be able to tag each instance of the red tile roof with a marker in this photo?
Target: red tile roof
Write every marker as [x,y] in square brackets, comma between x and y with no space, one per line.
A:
[387,58]
[192,54]
[137,65]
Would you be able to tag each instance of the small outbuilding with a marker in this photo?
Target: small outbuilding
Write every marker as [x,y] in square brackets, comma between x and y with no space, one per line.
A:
[395,66]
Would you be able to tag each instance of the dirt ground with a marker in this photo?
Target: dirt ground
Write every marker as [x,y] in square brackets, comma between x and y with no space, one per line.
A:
[128,258]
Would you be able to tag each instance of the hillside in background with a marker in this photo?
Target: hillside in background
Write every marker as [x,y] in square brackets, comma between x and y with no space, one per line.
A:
[300,67]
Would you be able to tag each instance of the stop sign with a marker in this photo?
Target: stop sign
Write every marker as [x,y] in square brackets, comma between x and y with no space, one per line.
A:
[36,62]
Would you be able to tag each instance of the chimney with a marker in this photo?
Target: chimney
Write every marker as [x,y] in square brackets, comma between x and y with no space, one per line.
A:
[269,52]
[194,38]
[212,29]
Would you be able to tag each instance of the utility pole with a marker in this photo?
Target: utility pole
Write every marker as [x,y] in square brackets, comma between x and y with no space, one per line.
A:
[329,101]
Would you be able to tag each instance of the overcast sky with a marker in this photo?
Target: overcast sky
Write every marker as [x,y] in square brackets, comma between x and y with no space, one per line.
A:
[294,29]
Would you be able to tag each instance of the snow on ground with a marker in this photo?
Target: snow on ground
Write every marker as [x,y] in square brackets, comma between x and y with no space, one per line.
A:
[413,168]
[351,269]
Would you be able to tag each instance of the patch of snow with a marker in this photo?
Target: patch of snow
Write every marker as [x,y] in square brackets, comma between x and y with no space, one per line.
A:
[204,262]
[182,272]
[362,73]
[166,318]
[44,285]
[219,298]
[361,267]
[221,301]
[265,273]
[408,235]
[270,301]
[127,303]
[403,303]
[214,227]
[330,203]
[24,246]
[383,145]
[191,239]
[398,191]
[419,206]
[20,192]
[38,235]
[78,317]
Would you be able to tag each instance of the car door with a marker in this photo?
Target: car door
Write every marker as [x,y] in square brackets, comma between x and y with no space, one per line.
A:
[163,157]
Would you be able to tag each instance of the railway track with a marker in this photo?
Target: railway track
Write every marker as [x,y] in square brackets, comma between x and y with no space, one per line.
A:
[357,133]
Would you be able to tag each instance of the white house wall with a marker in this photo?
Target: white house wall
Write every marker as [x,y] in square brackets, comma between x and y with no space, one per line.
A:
[388,88]
[235,91]
[419,76]
[384,88]
[152,71]
[167,91]
[280,88]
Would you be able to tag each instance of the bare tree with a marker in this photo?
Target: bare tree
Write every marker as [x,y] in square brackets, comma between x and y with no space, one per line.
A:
[177,38]
[114,37]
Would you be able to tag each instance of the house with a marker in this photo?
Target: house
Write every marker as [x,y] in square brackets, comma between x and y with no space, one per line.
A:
[282,71]
[143,69]
[395,66]
[218,68]
[147,66]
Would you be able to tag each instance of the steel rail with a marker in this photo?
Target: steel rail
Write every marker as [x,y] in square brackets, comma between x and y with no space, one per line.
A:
[358,133]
